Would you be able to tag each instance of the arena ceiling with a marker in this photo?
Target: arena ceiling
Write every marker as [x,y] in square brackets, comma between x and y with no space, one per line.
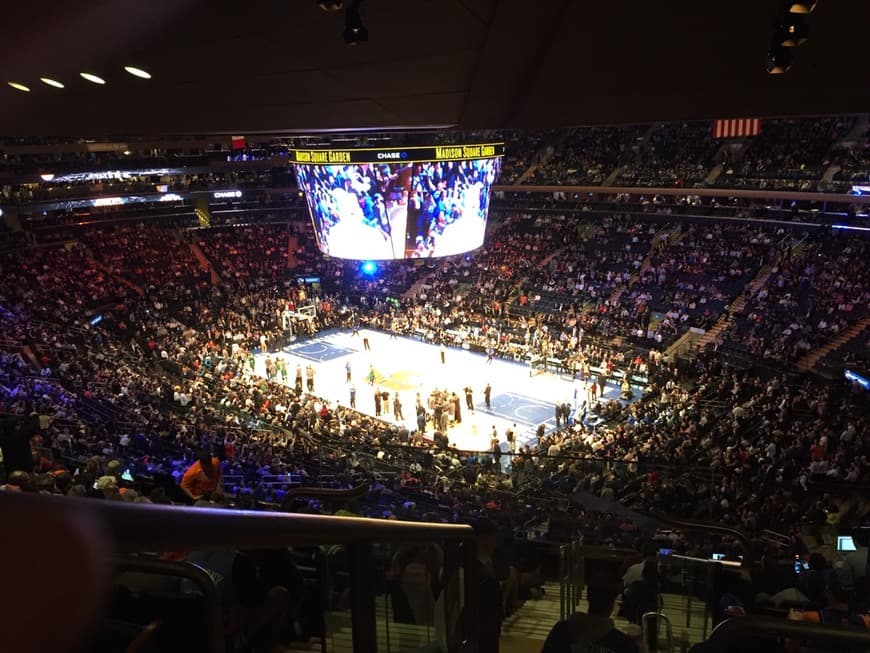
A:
[248,66]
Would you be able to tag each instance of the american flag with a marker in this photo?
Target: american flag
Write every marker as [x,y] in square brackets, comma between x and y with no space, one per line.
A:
[736,127]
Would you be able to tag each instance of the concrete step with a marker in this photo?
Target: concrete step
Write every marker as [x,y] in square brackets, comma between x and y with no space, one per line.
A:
[391,635]
[536,617]
[809,361]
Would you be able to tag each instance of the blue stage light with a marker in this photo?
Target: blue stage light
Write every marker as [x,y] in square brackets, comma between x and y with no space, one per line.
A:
[369,267]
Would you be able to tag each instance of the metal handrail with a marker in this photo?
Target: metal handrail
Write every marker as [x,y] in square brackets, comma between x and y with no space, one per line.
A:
[651,624]
[812,196]
[331,493]
[144,527]
[707,527]
[150,527]
[195,574]
[753,627]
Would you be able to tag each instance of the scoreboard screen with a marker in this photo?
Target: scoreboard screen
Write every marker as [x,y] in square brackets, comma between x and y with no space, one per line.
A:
[416,202]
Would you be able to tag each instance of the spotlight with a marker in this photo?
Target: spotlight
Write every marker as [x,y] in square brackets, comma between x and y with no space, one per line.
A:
[354,30]
[778,60]
[801,7]
[792,31]
[330,5]
[369,268]
[18,86]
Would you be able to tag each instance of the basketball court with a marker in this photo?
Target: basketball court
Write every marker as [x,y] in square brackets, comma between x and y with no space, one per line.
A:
[407,366]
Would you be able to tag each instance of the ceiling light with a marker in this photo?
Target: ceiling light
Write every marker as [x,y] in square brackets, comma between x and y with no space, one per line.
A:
[138,72]
[801,7]
[47,176]
[792,31]
[127,153]
[51,82]
[19,87]
[93,78]
[330,5]
[354,30]
[778,60]
[356,35]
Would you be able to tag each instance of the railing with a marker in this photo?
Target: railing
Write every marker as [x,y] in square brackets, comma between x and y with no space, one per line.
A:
[695,575]
[752,628]
[705,527]
[786,195]
[133,528]
[573,558]
[571,577]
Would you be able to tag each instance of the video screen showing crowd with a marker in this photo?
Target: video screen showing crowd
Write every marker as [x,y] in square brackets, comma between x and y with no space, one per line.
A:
[383,211]
[448,206]
[358,210]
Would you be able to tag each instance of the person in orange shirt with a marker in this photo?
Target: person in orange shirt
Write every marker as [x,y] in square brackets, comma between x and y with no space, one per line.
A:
[839,592]
[203,477]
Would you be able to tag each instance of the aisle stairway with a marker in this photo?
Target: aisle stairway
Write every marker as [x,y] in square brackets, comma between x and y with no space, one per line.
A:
[526,174]
[523,632]
[204,261]
[727,318]
[673,235]
[528,627]
[540,158]
[28,355]
[613,176]
[713,175]
[422,282]
[118,277]
[520,283]
[809,361]
[392,636]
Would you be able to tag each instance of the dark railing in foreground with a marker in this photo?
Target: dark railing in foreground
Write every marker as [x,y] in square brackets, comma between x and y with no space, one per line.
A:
[707,527]
[133,528]
[752,628]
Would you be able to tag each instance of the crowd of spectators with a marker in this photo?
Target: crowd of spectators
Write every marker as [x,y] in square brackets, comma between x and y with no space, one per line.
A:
[587,156]
[524,149]
[853,162]
[125,356]
[190,326]
[249,251]
[789,154]
[814,292]
[145,255]
[674,154]
[161,380]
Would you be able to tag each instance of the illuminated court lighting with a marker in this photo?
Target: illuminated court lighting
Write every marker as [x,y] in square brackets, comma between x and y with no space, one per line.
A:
[51,82]
[93,78]
[19,87]
[138,72]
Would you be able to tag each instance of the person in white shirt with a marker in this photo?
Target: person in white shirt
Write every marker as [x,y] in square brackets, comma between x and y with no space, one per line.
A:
[635,572]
